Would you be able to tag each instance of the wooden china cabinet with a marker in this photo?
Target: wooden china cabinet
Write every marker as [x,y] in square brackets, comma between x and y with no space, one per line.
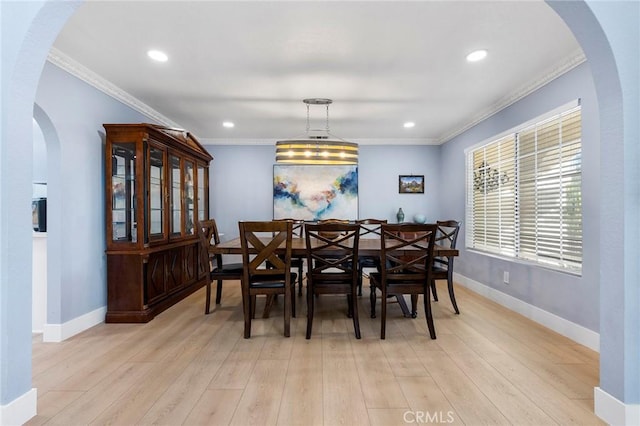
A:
[156,187]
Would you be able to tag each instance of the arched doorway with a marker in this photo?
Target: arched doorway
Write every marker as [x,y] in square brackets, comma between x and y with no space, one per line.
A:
[39,195]
[29,30]
[602,33]
[54,231]
[35,30]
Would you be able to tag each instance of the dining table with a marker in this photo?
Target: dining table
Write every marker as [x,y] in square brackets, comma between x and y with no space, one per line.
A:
[369,247]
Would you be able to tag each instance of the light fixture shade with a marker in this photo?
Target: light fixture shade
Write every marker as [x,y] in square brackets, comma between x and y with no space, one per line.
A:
[317,146]
[316,151]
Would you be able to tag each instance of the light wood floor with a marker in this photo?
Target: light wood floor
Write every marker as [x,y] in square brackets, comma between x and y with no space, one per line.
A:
[487,366]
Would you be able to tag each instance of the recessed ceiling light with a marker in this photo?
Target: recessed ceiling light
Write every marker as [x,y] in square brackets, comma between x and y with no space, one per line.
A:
[409,124]
[228,124]
[157,55]
[477,55]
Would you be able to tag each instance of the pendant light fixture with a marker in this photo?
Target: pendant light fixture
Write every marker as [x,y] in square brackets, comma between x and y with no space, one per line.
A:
[317,146]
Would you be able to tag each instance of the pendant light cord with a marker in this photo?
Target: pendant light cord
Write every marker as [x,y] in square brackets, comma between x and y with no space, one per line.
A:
[327,119]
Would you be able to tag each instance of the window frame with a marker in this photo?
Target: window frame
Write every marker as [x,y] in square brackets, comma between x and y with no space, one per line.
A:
[518,256]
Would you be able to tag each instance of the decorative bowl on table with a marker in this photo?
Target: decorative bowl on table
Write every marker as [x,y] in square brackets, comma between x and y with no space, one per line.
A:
[419,218]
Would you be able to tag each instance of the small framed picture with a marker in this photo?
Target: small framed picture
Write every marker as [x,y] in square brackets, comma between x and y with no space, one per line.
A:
[411,184]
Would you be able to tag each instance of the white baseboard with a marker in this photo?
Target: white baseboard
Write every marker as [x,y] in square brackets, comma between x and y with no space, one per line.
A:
[60,332]
[573,331]
[20,410]
[613,411]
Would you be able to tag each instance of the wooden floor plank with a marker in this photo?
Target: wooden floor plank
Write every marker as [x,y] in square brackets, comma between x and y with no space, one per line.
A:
[302,399]
[343,395]
[93,402]
[260,401]
[512,403]
[134,404]
[215,407]
[389,416]
[52,403]
[426,400]
[380,386]
[562,409]
[238,365]
[471,404]
[175,404]
[488,365]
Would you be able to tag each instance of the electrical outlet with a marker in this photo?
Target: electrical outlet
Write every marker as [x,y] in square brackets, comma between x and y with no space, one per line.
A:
[506,277]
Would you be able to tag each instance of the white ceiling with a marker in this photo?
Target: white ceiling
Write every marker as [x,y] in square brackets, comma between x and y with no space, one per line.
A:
[382,63]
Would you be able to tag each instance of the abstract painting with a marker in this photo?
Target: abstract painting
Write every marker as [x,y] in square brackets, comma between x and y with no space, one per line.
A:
[315,192]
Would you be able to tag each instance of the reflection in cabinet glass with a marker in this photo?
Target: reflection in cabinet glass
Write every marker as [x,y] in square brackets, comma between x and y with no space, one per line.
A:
[156,188]
[176,204]
[123,169]
[201,185]
[188,191]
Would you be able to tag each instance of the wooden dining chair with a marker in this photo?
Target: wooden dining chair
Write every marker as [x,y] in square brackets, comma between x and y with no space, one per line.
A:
[328,221]
[446,236]
[369,228]
[218,270]
[265,272]
[406,263]
[332,256]
[298,261]
[203,231]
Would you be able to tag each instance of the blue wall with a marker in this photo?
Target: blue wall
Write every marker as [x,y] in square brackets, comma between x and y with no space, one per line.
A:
[241,183]
[568,296]
[76,199]
[39,162]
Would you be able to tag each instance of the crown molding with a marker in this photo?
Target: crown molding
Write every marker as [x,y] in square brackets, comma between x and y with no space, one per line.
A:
[577,58]
[396,141]
[59,59]
[238,141]
[364,141]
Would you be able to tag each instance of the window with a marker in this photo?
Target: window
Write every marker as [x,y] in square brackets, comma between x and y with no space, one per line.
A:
[524,192]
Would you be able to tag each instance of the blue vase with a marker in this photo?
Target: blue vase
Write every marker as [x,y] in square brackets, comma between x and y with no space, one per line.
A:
[400,215]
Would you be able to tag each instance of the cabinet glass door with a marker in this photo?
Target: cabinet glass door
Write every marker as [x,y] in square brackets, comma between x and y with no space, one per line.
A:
[175,198]
[123,186]
[202,184]
[188,196]
[156,189]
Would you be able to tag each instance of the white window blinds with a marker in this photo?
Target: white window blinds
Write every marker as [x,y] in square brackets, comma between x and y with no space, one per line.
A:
[524,193]
[493,197]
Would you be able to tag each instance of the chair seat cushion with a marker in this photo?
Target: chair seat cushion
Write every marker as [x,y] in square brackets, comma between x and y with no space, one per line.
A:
[272,281]
[268,284]
[440,272]
[368,262]
[229,268]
